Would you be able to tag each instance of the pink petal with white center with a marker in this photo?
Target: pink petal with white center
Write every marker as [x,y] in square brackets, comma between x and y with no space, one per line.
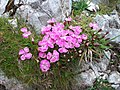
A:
[25,35]
[42,55]
[62,50]
[28,56]
[49,55]
[26,49]
[44,65]
[22,57]
[23,30]
[21,52]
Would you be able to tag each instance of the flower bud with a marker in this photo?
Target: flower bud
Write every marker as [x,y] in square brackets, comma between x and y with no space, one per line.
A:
[100,30]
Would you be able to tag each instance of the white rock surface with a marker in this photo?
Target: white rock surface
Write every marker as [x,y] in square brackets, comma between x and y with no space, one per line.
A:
[114,79]
[88,77]
[11,84]
[13,22]
[96,70]
[110,23]
[37,12]
[92,6]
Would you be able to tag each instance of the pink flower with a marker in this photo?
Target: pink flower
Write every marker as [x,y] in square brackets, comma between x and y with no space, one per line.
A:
[77,45]
[22,57]
[41,43]
[26,34]
[51,20]
[94,26]
[60,42]
[43,48]
[26,49]
[84,37]
[23,30]
[49,55]
[68,45]
[77,29]
[50,43]
[44,65]
[54,35]
[79,40]
[68,19]
[28,55]
[21,51]
[62,50]
[46,29]
[24,53]
[54,57]
[59,26]
[42,55]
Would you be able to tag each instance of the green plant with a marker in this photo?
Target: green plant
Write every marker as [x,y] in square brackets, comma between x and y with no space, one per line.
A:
[79,6]
[101,84]
[28,71]
[95,44]
[61,74]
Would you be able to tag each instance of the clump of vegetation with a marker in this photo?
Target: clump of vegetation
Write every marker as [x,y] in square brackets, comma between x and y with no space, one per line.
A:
[104,9]
[101,84]
[79,6]
[10,43]
[109,7]
[57,70]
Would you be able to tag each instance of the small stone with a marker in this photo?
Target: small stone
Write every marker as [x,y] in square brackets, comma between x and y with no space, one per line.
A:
[13,22]
[92,7]
[115,86]
[114,77]
[88,77]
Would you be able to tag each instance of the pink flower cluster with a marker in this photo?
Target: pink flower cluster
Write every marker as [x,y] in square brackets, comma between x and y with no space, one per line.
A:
[55,35]
[25,54]
[93,25]
[26,33]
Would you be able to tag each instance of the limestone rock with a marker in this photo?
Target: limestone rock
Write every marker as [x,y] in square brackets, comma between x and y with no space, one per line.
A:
[92,6]
[110,23]
[88,77]
[93,70]
[114,79]
[37,12]
[11,84]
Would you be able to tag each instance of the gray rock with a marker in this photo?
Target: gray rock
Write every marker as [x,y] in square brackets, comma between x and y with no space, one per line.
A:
[110,23]
[93,70]
[118,88]
[114,79]
[11,84]
[92,6]
[37,12]
[88,77]
[101,1]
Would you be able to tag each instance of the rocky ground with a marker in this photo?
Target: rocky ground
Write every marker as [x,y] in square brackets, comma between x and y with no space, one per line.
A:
[108,68]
